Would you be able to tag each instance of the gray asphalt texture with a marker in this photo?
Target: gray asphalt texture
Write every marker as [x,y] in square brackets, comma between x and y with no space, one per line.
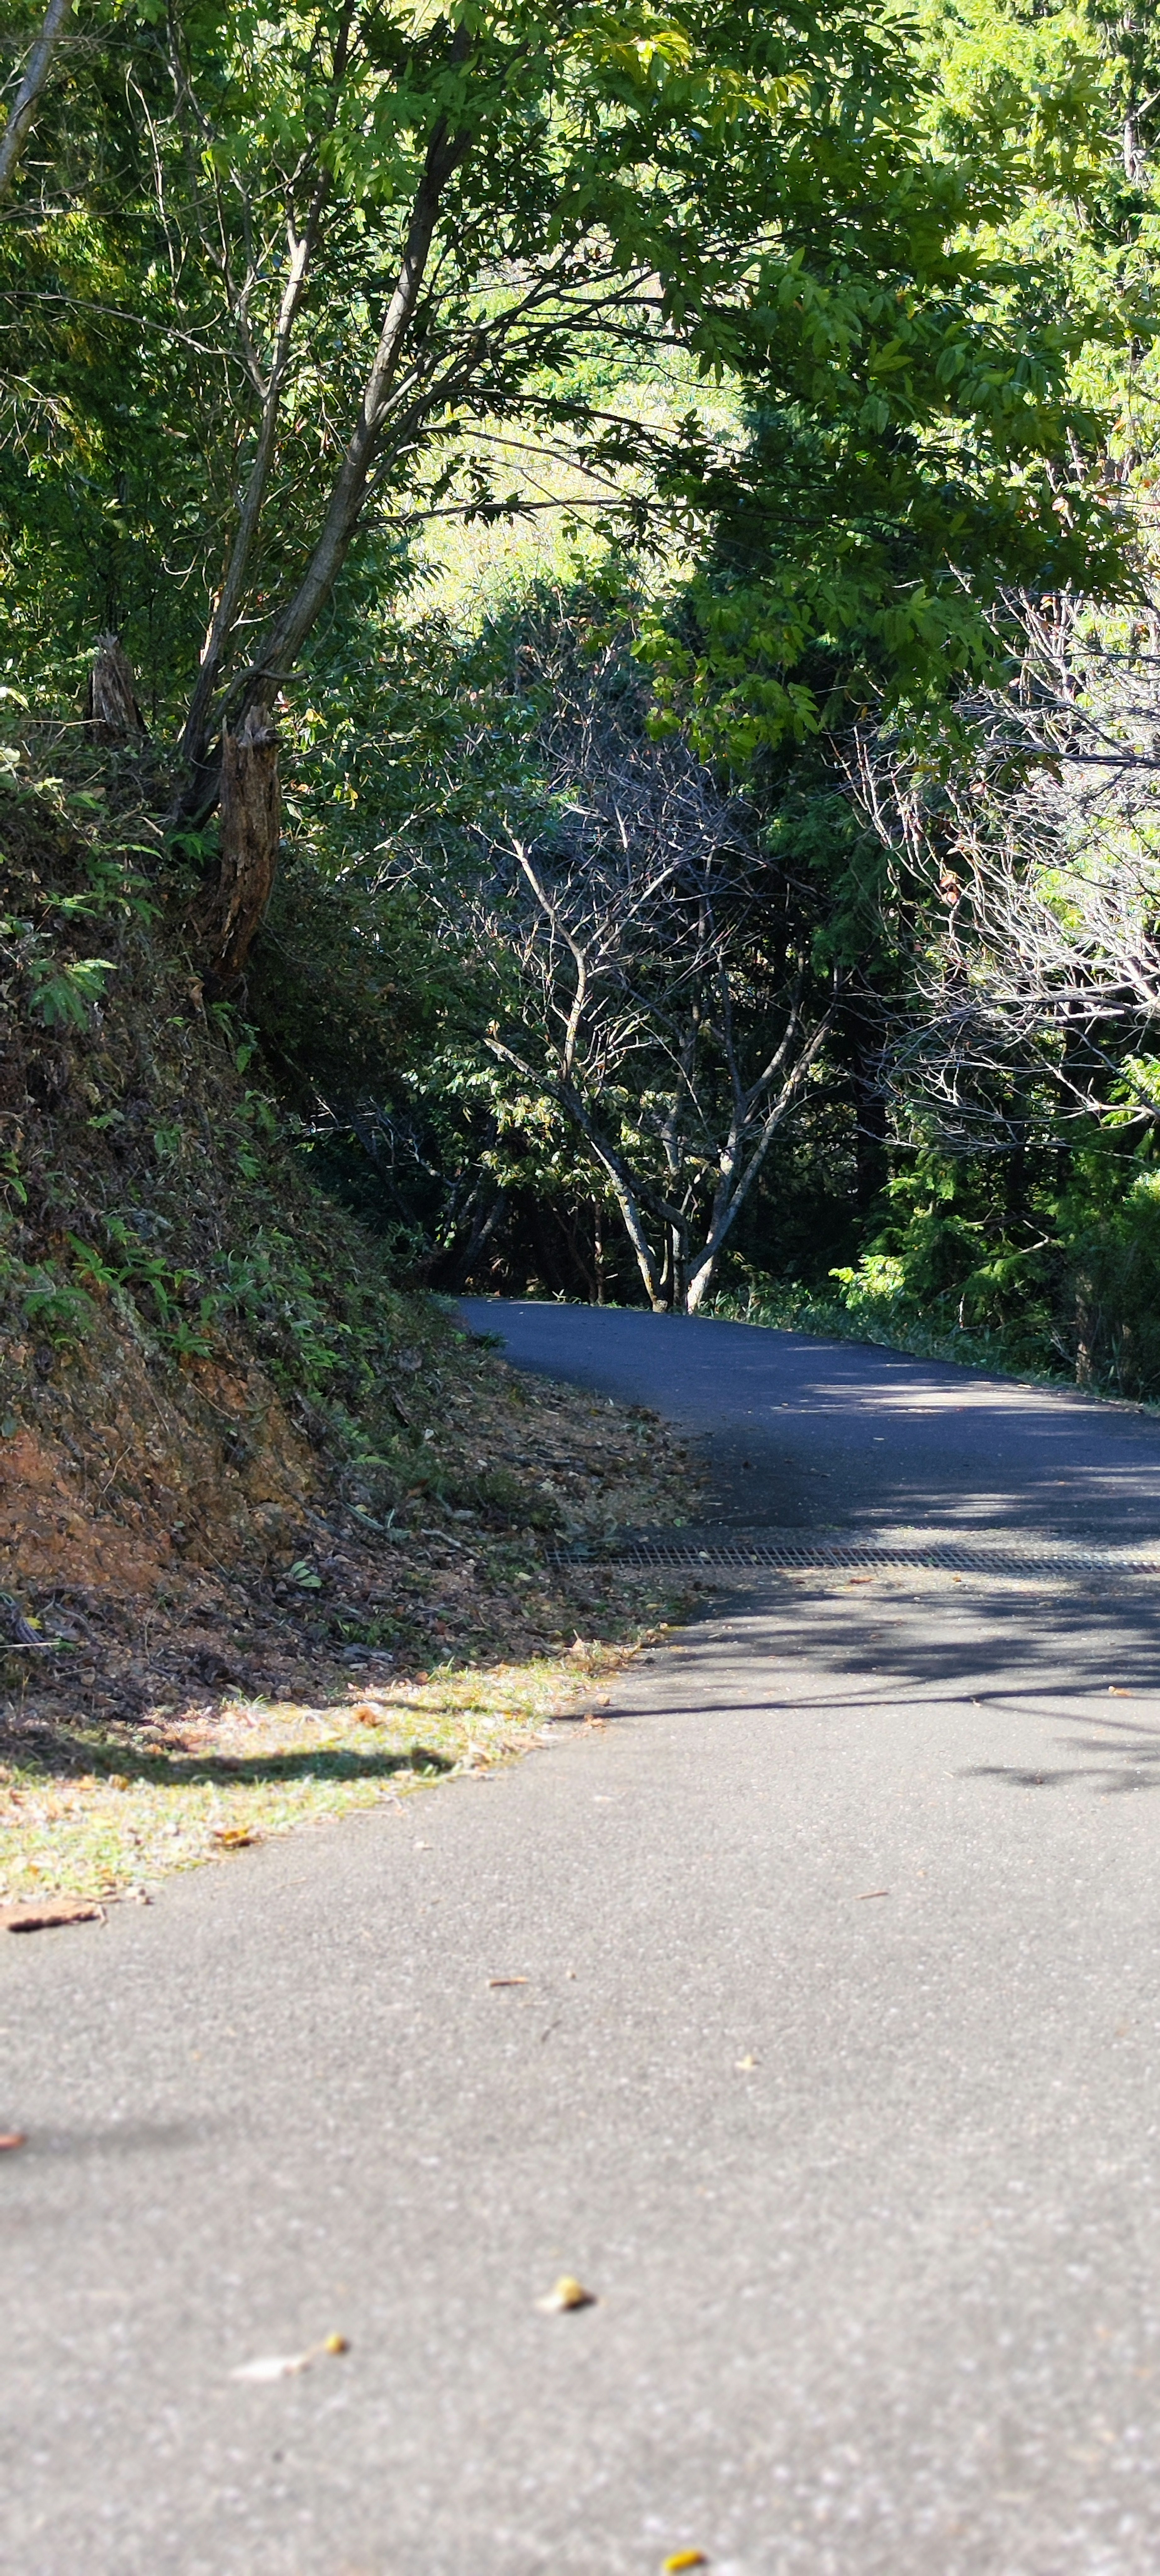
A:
[809,1434]
[834,2077]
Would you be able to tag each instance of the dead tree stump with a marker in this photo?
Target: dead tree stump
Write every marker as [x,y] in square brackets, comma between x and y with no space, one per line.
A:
[250,820]
[111,700]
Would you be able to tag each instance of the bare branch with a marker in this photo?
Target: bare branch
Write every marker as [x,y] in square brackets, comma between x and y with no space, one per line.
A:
[636,912]
[1031,873]
[25,104]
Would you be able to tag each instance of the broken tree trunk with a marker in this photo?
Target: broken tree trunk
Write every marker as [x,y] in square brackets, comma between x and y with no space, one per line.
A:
[250,814]
[111,703]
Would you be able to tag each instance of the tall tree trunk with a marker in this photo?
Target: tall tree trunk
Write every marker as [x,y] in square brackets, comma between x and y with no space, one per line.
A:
[858,1030]
[738,1176]
[301,246]
[194,742]
[250,816]
[283,641]
[36,72]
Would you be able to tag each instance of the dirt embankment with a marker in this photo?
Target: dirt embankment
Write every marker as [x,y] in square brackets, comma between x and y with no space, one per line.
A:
[231,1457]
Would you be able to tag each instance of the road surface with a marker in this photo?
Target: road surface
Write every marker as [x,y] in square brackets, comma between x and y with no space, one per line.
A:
[808,1434]
[833,2076]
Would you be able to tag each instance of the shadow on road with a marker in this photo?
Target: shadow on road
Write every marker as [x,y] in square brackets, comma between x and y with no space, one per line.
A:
[1046,1664]
[802,1433]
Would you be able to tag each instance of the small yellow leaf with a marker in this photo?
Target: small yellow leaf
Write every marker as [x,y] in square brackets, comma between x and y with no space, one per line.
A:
[745,2065]
[568,2293]
[684,2558]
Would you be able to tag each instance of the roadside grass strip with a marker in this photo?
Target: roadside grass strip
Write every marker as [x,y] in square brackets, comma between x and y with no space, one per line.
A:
[111,1811]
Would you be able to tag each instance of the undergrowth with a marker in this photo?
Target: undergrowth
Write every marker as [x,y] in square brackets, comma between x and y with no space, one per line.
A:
[870,1304]
[250,1489]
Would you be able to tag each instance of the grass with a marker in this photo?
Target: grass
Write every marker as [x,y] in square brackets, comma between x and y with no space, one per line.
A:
[109,1811]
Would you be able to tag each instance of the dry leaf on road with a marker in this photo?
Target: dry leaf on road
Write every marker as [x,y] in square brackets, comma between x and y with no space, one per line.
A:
[682,2558]
[11,2138]
[507,1981]
[568,2293]
[287,2365]
[234,1837]
[41,1914]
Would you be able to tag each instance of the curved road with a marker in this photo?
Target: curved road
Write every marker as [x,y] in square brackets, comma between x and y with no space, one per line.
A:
[809,1434]
[833,2074]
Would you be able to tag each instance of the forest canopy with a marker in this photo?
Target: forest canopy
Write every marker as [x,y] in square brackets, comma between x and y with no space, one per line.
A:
[617,547]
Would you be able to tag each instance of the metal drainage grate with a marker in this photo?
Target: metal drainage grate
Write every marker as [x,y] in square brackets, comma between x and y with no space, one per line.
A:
[950,1555]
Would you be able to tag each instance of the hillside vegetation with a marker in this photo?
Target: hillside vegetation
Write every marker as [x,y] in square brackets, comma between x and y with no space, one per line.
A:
[578,715]
[237,1465]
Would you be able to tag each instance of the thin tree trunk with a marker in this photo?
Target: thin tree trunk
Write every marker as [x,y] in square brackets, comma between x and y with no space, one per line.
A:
[222,621]
[285,638]
[249,849]
[36,73]
[653,1279]
[625,1199]
[221,625]
[289,631]
[736,1184]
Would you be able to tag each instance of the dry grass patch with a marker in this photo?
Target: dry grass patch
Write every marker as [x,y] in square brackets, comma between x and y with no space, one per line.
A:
[108,1811]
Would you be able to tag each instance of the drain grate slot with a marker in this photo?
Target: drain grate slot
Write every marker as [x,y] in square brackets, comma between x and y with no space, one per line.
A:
[935,1556]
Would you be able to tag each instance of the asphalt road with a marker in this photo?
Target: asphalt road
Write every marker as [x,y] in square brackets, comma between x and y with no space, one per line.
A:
[809,1434]
[833,2076]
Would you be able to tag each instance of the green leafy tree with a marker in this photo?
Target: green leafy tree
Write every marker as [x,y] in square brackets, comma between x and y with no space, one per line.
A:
[353,246]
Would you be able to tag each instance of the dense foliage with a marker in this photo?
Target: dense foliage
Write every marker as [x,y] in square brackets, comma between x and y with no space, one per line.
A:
[713,887]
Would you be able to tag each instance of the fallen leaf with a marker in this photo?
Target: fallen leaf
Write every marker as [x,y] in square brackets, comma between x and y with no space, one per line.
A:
[11,2138]
[234,1837]
[855,1578]
[868,1892]
[684,2558]
[567,2294]
[745,2065]
[41,1914]
[287,2365]
[507,1981]
[1115,1693]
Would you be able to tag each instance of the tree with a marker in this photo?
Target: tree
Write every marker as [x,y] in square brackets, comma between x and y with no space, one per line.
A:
[1034,1001]
[654,982]
[369,245]
[24,105]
